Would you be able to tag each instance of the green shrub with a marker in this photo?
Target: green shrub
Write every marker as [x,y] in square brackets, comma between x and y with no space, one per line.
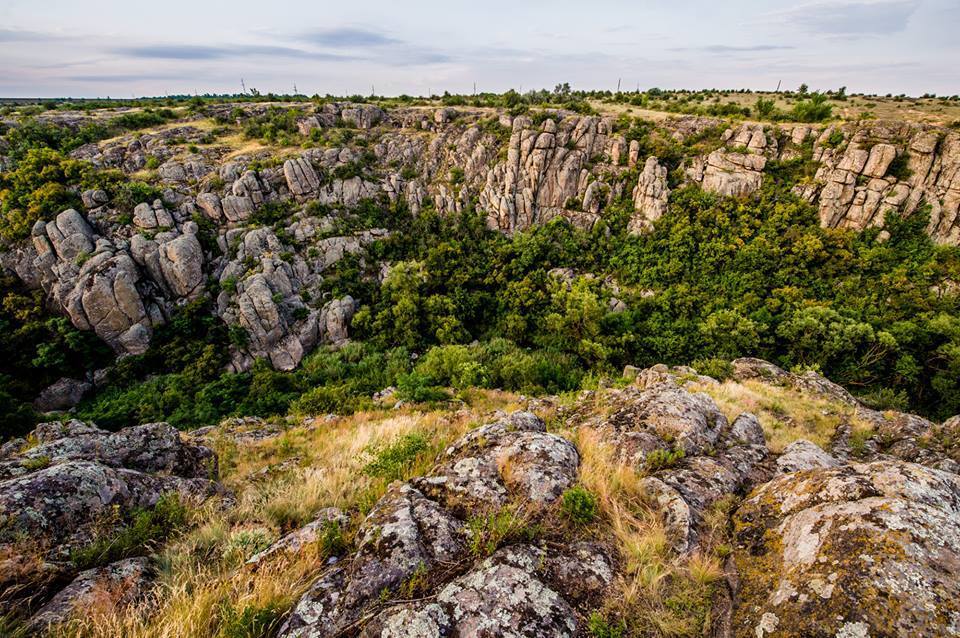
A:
[600,626]
[719,369]
[144,528]
[392,462]
[815,109]
[663,459]
[250,621]
[35,463]
[326,399]
[900,167]
[579,506]
[492,530]
[885,399]
[418,388]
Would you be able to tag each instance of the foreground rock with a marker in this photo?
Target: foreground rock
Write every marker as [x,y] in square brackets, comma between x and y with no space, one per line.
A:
[95,590]
[418,538]
[73,484]
[859,550]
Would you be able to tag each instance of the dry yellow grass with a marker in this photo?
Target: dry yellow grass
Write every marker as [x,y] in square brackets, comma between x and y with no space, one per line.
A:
[785,414]
[658,593]
[204,586]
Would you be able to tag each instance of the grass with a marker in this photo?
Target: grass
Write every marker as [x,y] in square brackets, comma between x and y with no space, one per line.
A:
[145,528]
[204,587]
[785,414]
[657,593]
[492,530]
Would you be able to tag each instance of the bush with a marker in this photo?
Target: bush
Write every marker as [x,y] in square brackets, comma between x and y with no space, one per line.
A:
[579,506]
[419,388]
[145,528]
[393,461]
[719,369]
[326,399]
[900,167]
[816,109]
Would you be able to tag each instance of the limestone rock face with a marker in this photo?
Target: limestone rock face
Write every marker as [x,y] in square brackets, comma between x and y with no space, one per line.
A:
[362,115]
[650,197]
[729,173]
[545,168]
[96,284]
[268,302]
[859,550]
[856,185]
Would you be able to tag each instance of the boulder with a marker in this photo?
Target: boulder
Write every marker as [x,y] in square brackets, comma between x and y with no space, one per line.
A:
[63,394]
[96,590]
[859,550]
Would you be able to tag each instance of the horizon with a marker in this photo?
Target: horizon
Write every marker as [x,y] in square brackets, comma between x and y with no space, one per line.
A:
[108,48]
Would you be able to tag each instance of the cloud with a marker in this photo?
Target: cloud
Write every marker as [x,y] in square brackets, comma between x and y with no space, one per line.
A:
[201,52]
[856,18]
[348,38]
[23,35]
[721,48]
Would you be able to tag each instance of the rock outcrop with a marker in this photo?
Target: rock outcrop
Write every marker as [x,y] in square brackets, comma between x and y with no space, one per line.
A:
[123,273]
[858,550]
[419,533]
[70,484]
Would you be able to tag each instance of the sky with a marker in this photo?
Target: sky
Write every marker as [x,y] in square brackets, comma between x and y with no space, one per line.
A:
[124,48]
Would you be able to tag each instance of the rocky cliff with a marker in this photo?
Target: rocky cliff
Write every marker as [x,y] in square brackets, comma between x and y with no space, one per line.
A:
[121,273]
[662,503]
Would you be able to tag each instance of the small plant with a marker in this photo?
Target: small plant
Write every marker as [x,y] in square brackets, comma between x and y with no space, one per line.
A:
[393,461]
[835,139]
[36,463]
[663,459]
[600,626]
[489,532]
[579,506]
[146,527]
[416,584]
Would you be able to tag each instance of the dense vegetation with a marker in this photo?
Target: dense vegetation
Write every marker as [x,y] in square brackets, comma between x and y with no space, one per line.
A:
[463,306]
[717,279]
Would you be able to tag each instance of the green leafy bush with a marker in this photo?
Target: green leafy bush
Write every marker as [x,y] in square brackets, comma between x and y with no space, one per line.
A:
[391,462]
[144,528]
[579,506]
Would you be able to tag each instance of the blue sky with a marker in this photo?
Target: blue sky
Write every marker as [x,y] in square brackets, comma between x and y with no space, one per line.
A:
[123,47]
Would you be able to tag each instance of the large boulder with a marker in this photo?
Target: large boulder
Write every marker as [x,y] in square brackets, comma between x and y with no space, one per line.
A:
[859,550]
[95,590]
[63,394]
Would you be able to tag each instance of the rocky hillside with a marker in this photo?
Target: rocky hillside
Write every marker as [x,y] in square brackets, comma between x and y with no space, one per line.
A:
[262,222]
[770,504]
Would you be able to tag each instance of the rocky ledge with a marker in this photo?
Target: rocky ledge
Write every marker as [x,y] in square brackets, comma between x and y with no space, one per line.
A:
[71,484]
[858,537]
